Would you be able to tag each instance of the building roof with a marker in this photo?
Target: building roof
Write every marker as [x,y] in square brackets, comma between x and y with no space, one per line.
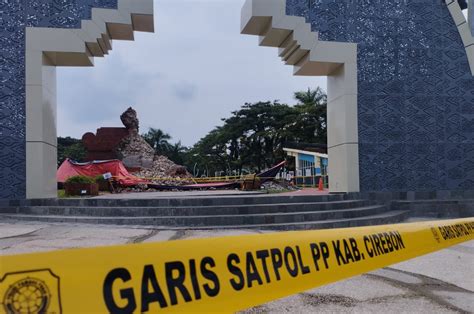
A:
[293,152]
[308,147]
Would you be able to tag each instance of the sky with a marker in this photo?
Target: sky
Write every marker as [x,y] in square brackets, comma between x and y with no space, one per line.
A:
[194,70]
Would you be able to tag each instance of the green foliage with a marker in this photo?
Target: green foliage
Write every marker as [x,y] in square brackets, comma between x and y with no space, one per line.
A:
[99,178]
[71,148]
[177,153]
[312,97]
[158,140]
[250,140]
[253,137]
[80,179]
[311,124]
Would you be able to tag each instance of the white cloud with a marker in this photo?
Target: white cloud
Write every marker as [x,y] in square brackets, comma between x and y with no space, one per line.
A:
[192,72]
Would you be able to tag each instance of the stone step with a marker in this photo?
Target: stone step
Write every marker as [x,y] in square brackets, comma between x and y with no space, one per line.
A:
[208,220]
[186,211]
[437,208]
[182,201]
[390,217]
[367,218]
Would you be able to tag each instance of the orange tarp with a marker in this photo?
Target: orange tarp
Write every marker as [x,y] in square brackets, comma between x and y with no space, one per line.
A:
[95,168]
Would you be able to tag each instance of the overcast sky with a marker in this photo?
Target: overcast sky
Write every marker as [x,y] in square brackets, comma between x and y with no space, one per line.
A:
[194,70]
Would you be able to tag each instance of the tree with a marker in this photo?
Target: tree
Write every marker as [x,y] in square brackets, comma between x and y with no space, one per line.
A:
[177,153]
[71,148]
[158,140]
[311,125]
[311,97]
[253,137]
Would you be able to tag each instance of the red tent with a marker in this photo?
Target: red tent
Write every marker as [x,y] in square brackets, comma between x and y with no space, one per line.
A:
[92,169]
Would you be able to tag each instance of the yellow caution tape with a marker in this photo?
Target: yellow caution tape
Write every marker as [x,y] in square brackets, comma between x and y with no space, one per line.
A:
[211,275]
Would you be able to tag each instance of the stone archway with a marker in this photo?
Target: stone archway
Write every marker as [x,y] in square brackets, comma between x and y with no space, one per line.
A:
[72,37]
[373,144]
[36,39]
[300,47]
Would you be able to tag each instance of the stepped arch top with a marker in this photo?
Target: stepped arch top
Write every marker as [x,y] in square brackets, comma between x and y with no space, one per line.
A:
[36,36]
[413,83]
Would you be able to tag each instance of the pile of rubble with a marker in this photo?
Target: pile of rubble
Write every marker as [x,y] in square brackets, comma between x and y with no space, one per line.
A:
[133,150]
[278,186]
[165,172]
[137,154]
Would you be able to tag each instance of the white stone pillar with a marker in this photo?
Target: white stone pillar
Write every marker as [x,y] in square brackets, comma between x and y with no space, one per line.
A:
[470,15]
[343,136]
[300,46]
[47,48]
[41,134]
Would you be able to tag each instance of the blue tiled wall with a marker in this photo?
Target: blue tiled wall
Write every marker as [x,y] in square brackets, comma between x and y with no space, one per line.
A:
[416,91]
[15,15]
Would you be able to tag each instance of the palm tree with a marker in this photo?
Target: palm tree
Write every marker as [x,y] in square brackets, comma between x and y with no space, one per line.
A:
[312,125]
[176,153]
[158,140]
[311,97]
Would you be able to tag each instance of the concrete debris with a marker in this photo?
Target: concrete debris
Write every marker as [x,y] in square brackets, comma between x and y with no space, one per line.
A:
[278,186]
[165,172]
[137,154]
[178,171]
[130,120]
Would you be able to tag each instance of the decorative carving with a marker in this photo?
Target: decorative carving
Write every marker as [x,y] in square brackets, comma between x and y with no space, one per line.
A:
[415,90]
[12,100]
[14,17]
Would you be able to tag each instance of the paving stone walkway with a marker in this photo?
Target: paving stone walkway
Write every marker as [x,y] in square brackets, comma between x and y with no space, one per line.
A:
[441,282]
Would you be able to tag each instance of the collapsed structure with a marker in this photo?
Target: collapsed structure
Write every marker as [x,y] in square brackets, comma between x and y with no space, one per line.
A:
[127,145]
[134,164]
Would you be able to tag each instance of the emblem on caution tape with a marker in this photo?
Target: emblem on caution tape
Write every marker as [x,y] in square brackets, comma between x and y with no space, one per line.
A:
[34,291]
[435,234]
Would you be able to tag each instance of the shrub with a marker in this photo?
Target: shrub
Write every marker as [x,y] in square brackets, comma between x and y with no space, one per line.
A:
[99,179]
[80,179]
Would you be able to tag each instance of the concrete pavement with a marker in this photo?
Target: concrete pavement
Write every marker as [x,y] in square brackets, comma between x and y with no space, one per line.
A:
[441,282]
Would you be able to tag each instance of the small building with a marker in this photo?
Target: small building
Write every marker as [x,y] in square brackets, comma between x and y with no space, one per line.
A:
[311,162]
